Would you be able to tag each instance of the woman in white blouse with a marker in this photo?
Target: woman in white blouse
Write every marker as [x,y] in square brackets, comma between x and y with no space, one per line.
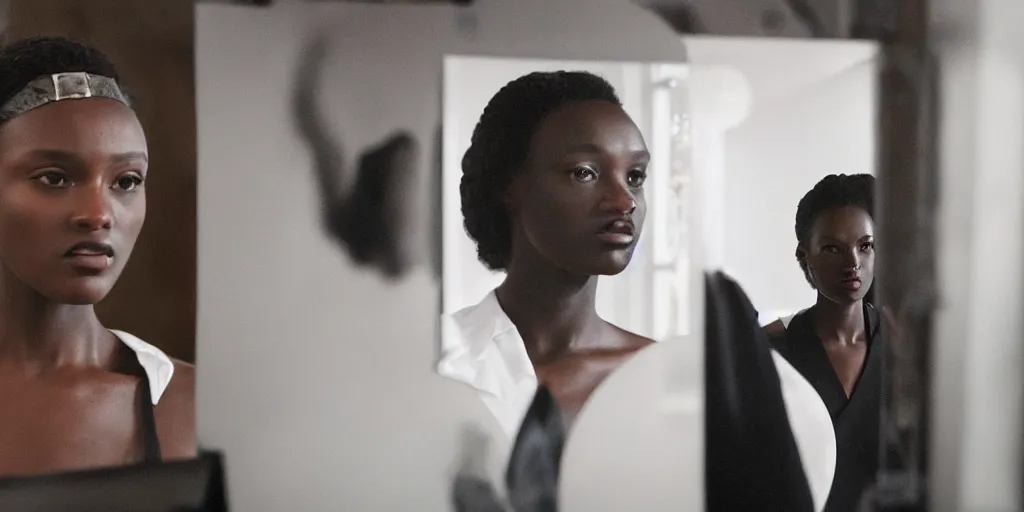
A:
[552,193]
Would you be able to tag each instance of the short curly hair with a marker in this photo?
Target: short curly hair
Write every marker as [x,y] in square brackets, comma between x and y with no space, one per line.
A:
[833,191]
[501,143]
[25,60]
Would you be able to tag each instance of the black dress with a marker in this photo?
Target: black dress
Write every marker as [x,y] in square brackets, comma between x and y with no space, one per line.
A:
[856,419]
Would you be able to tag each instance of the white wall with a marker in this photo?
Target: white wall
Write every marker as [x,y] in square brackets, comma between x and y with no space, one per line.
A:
[314,376]
[811,114]
[978,353]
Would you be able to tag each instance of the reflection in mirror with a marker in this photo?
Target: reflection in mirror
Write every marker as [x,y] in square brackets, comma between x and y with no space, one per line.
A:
[582,238]
[771,119]
[807,123]
[642,298]
[319,380]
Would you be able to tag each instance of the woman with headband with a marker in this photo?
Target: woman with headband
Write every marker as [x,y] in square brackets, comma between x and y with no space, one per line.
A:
[73,168]
[553,195]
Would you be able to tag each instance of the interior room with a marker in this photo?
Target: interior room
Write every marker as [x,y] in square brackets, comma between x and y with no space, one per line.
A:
[311,301]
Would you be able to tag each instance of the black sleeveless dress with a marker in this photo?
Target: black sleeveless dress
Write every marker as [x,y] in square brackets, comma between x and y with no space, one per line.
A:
[856,419]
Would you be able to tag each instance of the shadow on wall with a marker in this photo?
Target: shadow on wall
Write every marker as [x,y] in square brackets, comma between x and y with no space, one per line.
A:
[367,219]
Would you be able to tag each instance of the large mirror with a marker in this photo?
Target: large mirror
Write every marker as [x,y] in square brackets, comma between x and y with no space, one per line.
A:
[774,120]
[721,130]
[651,298]
[800,110]
[319,372]
[739,131]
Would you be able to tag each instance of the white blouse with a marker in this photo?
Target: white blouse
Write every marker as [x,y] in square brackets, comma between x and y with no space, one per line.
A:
[482,348]
[158,367]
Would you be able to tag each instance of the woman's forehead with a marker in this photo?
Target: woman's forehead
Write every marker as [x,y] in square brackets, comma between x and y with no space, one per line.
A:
[848,220]
[592,126]
[95,126]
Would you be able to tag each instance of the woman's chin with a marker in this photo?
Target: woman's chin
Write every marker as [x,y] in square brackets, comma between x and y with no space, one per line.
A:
[80,296]
[614,272]
[610,263]
[612,266]
[845,297]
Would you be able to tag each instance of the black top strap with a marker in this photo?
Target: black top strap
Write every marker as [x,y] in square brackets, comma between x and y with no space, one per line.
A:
[129,364]
[151,450]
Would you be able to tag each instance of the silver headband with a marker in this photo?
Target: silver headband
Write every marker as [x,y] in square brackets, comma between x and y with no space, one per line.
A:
[59,87]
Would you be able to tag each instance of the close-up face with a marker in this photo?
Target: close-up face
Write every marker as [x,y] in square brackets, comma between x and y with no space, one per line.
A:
[579,201]
[72,200]
[840,254]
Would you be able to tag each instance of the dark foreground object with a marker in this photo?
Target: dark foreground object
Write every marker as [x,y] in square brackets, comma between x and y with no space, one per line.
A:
[195,485]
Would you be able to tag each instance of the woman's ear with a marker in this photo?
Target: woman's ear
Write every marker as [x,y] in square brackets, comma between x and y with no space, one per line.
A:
[801,259]
[514,193]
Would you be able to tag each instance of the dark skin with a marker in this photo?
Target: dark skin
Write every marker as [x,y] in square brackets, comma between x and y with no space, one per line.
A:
[839,261]
[73,171]
[585,169]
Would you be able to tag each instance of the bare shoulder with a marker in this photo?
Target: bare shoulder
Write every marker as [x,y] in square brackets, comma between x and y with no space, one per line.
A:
[630,341]
[176,413]
[183,385]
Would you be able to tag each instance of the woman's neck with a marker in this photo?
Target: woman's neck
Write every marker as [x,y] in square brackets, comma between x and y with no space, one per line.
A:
[553,310]
[37,334]
[843,323]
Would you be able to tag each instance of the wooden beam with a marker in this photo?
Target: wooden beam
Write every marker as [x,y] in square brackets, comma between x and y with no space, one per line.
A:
[906,212]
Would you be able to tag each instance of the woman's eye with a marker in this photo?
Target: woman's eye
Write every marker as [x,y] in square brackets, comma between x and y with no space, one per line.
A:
[636,179]
[867,246]
[128,182]
[831,249]
[584,174]
[53,179]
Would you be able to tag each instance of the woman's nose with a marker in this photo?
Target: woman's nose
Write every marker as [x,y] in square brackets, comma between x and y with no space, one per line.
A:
[853,261]
[92,210]
[619,200]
